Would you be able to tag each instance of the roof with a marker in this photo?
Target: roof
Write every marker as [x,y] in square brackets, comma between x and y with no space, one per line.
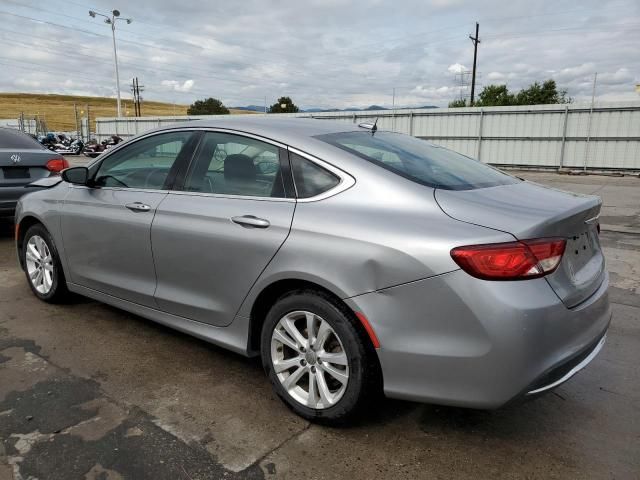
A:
[289,130]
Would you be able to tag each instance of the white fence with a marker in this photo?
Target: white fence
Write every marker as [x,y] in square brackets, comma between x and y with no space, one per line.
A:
[605,137]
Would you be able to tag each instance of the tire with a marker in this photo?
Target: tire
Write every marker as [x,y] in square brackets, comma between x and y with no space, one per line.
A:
[331,401]
[52,286]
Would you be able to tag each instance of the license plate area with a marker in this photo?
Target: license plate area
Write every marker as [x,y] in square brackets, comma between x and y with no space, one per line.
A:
[16,173]
[581,248]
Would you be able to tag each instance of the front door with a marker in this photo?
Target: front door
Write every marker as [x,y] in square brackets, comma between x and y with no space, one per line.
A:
[106,227]
[213,239]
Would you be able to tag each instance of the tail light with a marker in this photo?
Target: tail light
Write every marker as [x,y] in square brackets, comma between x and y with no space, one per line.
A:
[512,260]
[57,164]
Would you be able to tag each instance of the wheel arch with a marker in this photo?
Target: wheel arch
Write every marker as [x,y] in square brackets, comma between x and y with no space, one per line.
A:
[272,292]
[22,226]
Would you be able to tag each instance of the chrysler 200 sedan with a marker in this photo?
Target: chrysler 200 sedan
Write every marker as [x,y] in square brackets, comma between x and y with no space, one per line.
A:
[353,261]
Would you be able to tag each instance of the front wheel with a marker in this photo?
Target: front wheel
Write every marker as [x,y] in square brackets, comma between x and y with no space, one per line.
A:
[42,265]
[317,359]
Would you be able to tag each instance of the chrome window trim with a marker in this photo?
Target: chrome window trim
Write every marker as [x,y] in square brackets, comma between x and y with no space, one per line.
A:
[231,197]
[345,183]
[346,180]
[242,133]
[123,189]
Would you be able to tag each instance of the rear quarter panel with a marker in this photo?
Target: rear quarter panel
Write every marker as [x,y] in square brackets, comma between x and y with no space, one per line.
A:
[381,232]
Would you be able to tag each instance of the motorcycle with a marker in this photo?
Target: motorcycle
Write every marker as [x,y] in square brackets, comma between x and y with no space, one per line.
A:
[94,148]
[74,148]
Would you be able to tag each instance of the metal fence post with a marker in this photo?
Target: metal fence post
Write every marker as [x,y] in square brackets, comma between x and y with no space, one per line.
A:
[564,136]
[411,123]
[479,148]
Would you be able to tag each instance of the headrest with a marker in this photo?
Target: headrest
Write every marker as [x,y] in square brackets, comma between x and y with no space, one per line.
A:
[239,167]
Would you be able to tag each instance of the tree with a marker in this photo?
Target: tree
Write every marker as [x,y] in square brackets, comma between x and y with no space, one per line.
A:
[209,106]
[537,94]
[283,105]
[460,102]
[493,95]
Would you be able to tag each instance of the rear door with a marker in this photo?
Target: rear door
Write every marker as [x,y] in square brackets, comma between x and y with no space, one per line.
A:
[107,227]
[212,240]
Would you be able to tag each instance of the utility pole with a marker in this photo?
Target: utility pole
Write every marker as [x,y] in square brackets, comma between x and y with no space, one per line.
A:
[476,41]
[75,113]
[88,123]
[111,20]
[593,99]
[137,99]
[138,87]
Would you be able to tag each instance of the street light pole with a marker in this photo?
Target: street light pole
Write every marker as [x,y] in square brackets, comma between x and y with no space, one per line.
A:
[111,20]
[115,59]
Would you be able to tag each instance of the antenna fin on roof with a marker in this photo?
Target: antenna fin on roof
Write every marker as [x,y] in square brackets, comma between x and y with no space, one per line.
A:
[370,126]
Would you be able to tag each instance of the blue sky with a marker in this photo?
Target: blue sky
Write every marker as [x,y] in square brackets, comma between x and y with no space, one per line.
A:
[322,53]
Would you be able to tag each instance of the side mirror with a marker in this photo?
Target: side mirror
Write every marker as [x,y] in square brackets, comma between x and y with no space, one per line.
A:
[76,175]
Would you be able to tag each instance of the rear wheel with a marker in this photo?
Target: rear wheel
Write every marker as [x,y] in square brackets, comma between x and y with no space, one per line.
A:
[316,359]
[42,265]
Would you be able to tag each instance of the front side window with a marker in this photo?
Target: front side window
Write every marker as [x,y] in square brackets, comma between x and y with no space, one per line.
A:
[419,160]
[143,164]
[228,164]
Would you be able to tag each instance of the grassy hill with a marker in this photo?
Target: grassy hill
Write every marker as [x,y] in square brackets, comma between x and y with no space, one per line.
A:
[57,110]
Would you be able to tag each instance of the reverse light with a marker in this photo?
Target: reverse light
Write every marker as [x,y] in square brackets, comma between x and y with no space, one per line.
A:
[57,164]
[512,260]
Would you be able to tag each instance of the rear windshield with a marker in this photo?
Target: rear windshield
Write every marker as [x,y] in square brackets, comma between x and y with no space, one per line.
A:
[15,139]
[419,160]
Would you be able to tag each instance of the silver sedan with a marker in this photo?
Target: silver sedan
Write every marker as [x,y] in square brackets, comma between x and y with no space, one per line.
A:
[353,261]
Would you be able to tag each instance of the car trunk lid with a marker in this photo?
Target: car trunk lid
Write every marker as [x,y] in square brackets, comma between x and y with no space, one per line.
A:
[528,210]
[20,167]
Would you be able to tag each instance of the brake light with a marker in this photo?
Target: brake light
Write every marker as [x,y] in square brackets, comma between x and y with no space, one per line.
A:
[512,260]
[56,165]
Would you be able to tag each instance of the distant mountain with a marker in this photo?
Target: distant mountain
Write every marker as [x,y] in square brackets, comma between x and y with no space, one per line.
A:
[251,108]
[260,108]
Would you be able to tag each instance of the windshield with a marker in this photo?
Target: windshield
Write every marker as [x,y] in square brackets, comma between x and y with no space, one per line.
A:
[419,160]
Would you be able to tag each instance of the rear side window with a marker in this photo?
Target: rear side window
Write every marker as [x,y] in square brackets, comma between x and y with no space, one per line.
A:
[419,160]
[15,139]
[311,179]
[229,164]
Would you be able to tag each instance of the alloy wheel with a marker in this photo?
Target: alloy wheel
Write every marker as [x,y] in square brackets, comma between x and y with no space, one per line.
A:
[309,359]
[39,264]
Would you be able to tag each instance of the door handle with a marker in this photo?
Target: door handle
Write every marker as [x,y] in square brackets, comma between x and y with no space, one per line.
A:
[138,207]
[251,221]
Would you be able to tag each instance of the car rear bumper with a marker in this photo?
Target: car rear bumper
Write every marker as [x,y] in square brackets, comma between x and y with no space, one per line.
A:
[9,197]
[457,340]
